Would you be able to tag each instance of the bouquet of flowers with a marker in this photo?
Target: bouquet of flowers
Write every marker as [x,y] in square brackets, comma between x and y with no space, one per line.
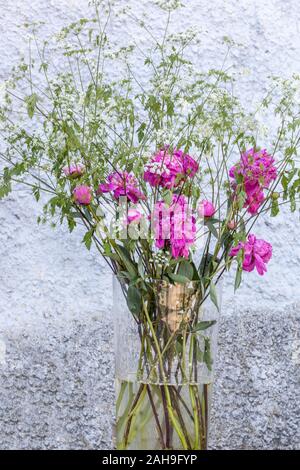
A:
[167,178]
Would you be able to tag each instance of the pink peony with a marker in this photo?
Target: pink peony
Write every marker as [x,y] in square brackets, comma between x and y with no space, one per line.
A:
[74,170]
[122,184]
[206,209]
[255,171]
[133,215]
[82,195]
[174,227]
[257,253]
[255,196]
[168,170]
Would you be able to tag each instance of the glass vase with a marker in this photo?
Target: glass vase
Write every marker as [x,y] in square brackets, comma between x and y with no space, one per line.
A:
[164,354]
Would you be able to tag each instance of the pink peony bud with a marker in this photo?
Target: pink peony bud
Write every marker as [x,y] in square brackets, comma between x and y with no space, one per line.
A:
[82,195]
[74,170]
[231,224]
[206,209]
[133,215]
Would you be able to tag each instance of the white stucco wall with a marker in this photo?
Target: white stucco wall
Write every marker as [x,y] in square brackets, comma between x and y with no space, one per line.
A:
[48,279]
[269,30]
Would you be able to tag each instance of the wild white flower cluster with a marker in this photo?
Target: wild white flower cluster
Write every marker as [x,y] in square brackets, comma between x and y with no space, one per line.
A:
[169,4]
[160,259]
[2,92]
[297,90]
[217,96]
[183,105]
[162,135]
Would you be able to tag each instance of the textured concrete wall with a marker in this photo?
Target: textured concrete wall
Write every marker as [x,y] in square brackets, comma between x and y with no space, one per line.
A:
[55,297]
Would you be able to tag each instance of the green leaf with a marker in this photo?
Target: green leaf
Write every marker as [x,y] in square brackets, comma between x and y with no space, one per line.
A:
[141,269]
[36,193]
[284,182]
[178,344]
[167,197]
[141,131]
[203,325]
[213,294]
[186,269]
[113,256]
[178,278]
[88,95]
[134,300]
[153,104]
[274,208]
[5,189]
[209,224]
[205,265]
[31,102]
[125,257]
[207,354]
[241,199]
[71,223]
[199,353]
[238,278]
[72,139]
[170,107]
[87,239]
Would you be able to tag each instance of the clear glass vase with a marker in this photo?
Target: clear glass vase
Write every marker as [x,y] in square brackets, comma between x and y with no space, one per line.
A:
[164,354]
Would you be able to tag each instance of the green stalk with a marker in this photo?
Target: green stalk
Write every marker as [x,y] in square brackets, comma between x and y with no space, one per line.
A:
[169,406]
[196,418]
[155,414]
[136,404]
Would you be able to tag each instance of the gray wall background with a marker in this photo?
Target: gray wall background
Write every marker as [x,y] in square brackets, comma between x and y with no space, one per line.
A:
[56,352]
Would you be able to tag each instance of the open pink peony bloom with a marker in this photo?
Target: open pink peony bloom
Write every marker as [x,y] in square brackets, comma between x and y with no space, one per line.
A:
[168,170]
[257,253]
[122,184]
[74,170]
[82,195]
[255,171]
[206,209]
[133,215]
[174,227]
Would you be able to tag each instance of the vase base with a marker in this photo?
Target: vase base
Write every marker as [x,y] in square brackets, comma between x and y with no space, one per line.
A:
[162,417]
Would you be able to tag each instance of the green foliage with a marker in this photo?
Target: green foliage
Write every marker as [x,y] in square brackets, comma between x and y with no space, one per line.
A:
[134,300]
[203,325]
[181,279]
[186,269]
[31,102]
[207,354]
[213,294]
[238,278]
[87,239]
